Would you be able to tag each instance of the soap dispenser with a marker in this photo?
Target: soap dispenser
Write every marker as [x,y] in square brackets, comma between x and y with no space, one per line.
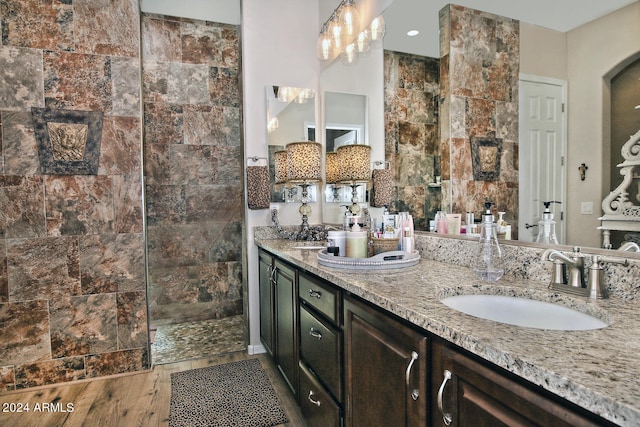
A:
[488,263]
[547,226]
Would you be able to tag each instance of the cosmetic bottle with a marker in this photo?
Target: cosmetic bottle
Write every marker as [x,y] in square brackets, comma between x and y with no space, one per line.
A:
[407,240]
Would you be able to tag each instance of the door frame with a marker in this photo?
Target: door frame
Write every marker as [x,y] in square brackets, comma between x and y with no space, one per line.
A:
[530,78]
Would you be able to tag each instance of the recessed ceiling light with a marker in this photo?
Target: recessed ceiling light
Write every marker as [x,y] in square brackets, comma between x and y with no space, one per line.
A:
[413,33]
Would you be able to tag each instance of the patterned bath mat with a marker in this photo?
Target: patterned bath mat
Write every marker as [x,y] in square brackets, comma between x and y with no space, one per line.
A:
[234,394]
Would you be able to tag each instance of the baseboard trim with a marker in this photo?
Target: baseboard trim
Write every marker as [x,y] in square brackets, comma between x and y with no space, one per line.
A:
[256,349]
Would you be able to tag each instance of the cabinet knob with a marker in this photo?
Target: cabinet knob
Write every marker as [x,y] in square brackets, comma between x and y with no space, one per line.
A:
[312,400]
[315,294]
[446,418]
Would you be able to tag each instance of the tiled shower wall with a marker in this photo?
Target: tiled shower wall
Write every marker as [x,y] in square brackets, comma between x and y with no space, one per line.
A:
[411,133]
[72,276]
[480,57]
[193,168]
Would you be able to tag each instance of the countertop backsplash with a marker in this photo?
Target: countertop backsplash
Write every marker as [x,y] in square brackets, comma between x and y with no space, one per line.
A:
[522,260]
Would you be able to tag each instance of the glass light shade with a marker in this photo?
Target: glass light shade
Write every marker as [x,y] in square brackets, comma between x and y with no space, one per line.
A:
[280,166]
[272,125]
[324,49]
[350,54]
[377,28]
[363,41]
[331,168]
[349,20]
[304,162]
[335,32]
[355,162]
[308,93]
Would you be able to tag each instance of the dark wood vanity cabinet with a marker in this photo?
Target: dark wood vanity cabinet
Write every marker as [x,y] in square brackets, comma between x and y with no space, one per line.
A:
[321,385]
[350,363]
[386,366]
[467,392]
[278,288]
[267,301]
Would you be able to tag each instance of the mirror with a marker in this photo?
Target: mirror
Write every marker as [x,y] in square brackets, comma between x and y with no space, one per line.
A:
[358,87]
[290,117]
[592,190]
[345,116]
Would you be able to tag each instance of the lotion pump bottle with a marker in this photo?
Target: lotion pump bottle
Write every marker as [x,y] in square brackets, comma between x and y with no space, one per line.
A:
[488,263]
[547,226]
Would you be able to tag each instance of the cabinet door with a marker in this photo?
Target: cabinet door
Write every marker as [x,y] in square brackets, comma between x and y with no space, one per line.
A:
[468,393]
[286,293]
[267,300]
[385,369]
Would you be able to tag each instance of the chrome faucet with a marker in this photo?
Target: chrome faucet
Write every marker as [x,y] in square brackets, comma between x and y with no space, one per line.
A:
[629,247]
[561,262]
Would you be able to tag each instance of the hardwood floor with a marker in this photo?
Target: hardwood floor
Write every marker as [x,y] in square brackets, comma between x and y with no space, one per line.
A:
[125,401]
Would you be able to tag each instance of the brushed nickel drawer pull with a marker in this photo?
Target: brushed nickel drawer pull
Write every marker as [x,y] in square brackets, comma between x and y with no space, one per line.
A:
[415,393]
[315,402]
[315,333]
[446,418]
[315,294]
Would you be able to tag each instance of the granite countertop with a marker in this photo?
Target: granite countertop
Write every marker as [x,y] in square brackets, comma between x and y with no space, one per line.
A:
[598,370]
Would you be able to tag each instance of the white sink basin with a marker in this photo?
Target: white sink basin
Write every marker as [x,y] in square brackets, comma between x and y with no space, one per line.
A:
[524,312]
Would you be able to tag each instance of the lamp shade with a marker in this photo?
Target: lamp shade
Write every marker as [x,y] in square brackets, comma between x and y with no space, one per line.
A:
[331,168]
[304,161]
[280,166]
[355,162]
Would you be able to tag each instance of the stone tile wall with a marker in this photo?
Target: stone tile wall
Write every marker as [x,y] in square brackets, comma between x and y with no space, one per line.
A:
[72,276]
[411,90]
[479,68]
[193,168]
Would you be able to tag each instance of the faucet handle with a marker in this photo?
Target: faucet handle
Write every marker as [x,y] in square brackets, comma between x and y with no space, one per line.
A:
[610,260]
[597,288]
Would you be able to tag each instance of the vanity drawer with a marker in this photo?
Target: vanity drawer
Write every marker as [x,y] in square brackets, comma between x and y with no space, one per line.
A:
[318,408]
[321,296]
[321,349]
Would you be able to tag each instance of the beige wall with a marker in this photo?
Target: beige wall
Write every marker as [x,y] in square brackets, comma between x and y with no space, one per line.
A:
[543,52]
[593,50]
[584,57]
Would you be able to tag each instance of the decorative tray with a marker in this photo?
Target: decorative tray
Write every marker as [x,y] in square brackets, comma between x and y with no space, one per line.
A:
[385,260]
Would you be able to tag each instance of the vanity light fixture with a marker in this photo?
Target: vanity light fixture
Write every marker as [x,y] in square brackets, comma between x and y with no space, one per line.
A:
[340,35]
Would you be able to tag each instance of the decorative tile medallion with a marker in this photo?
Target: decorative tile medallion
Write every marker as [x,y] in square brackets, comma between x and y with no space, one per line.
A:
[68,141]
[485,157]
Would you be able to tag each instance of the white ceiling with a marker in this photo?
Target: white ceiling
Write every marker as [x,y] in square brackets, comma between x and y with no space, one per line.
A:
[559,15]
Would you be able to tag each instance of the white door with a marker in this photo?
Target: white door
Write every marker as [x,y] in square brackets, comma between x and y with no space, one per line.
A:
[541,154]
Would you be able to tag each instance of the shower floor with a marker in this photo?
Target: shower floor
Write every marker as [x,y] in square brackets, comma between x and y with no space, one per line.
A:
[194,340]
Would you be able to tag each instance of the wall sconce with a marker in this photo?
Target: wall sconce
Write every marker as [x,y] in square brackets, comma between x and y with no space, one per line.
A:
[340,34]
[304,167]
[355,163]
